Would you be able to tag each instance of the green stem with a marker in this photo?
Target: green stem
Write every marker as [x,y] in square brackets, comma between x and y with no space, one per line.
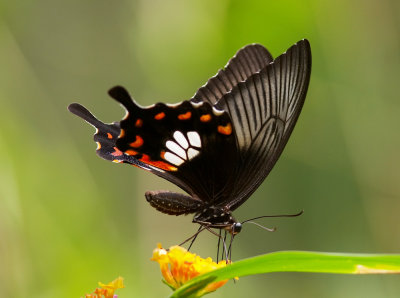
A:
[296,261]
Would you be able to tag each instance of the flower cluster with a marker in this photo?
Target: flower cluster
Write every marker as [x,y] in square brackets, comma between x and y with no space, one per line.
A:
[178,266]
[107,290]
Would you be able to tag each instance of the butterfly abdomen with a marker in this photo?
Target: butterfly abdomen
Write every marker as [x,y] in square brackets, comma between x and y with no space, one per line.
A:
[173,203]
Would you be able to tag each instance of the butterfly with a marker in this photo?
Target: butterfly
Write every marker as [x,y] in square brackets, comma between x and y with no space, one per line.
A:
[220,145]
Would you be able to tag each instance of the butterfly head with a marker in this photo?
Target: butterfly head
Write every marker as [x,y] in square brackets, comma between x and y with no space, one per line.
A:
[235,228]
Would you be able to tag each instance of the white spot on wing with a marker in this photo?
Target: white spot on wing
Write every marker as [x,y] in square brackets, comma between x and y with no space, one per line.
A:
[126,115]
[180,138]
[217,112]
[192,153]
[154,168]
[174,105]
[196,104]
[172,158]
[175,148]
[194,139]
[147,107]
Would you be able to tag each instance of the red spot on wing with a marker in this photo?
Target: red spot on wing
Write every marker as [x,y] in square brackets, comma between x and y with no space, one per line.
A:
[159,116]
[162,154]
[158,164]
[185,116]
[145,158]
[131,152]
[225,130]
[117,152]
[137,143]
[205,118]
[139,123]
[109,135]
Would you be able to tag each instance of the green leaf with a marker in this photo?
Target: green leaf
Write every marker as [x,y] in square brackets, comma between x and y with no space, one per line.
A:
[296,261]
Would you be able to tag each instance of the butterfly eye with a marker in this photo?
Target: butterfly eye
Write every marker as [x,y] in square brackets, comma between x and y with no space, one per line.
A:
[237,227]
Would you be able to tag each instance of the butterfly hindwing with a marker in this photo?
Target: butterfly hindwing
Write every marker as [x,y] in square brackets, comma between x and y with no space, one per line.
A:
[105,137]
[191,144]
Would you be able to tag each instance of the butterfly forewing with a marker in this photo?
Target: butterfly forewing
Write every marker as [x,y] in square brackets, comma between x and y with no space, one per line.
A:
[264,110]
[105,137]
[247,61]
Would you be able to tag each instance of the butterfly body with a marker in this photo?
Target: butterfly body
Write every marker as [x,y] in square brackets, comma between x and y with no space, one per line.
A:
[219,146]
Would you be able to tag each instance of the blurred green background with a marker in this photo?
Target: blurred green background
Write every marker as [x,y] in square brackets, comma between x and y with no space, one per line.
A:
[69,219]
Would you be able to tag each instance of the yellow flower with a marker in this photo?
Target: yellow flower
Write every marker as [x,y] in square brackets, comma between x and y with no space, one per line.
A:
[178,266]
[107,290]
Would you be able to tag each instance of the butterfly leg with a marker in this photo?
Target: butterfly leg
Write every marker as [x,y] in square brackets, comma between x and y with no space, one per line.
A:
[194,238]
[230,247]
[225,251]
[201,229]
[219,242]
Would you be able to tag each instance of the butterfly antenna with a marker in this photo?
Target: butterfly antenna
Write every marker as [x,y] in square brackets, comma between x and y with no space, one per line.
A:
[262,227]
[281,215]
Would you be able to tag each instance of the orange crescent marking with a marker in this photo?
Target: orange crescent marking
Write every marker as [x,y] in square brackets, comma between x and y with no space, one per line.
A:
[139,123]
[159,116]
[205,118]
[162,154]
[145,158]
[158,164]
[163,165]
[117,152]
[109,135]
[185,116]
[137,143]
[122,133]
[225,130]
[131,152]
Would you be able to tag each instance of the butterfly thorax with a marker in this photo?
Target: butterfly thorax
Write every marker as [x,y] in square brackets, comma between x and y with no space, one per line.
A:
[208,215]
[219,218]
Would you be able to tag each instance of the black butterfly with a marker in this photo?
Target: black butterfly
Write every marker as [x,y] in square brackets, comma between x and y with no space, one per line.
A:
[221,144]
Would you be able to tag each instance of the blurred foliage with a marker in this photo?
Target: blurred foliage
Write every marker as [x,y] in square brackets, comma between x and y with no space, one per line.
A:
[69,219]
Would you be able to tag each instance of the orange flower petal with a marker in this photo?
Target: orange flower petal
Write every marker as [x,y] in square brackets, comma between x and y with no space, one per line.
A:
[179,266]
